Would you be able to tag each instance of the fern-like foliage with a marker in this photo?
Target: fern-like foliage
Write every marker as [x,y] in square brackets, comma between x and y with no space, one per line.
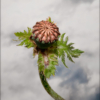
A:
[63,47]
[24,38]
[53,61]
[58,49]
[50,70]
[63,59]
[52,55]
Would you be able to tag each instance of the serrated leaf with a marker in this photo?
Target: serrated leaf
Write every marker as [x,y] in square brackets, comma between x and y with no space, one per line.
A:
[55,62]
[63,46]
[22,43]
[69,57]
[78,51]
[29,30]
[71,47]
[60,51]
[29,46]
[53,72]
[51,67]
[73,54]
[62,36]
[24,38]
[25,32]
[70,44]
[66,40]
[63,59]
[48,74]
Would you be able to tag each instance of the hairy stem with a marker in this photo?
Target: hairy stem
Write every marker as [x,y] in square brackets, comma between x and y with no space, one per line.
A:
[48,88]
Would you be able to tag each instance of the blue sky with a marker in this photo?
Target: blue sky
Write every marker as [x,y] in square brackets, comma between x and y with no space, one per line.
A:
[79,19]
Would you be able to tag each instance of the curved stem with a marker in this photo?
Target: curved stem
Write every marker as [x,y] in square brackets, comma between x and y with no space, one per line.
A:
[48,88]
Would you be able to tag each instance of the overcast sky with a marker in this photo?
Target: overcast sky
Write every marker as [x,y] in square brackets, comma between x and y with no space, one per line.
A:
[79,19]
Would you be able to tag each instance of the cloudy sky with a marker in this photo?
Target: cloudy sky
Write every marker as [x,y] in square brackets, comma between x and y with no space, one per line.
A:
[79,19]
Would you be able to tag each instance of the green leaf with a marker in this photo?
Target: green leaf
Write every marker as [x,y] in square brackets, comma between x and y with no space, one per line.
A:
[69,56]
[25,32]
[70,44]
[22,43]
[24,38]
[29,45]
[64,47]
[53,72]
[66,40]
[29,30]
[49,19]
[78,51]
[63,59]
[51,67]
[60,52]
[62,36]
[47,73]
[55,62]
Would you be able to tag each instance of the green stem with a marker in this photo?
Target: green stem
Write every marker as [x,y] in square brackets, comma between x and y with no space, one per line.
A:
[48,88]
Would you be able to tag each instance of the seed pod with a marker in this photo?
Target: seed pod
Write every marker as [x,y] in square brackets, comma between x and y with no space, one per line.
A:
[45,33]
